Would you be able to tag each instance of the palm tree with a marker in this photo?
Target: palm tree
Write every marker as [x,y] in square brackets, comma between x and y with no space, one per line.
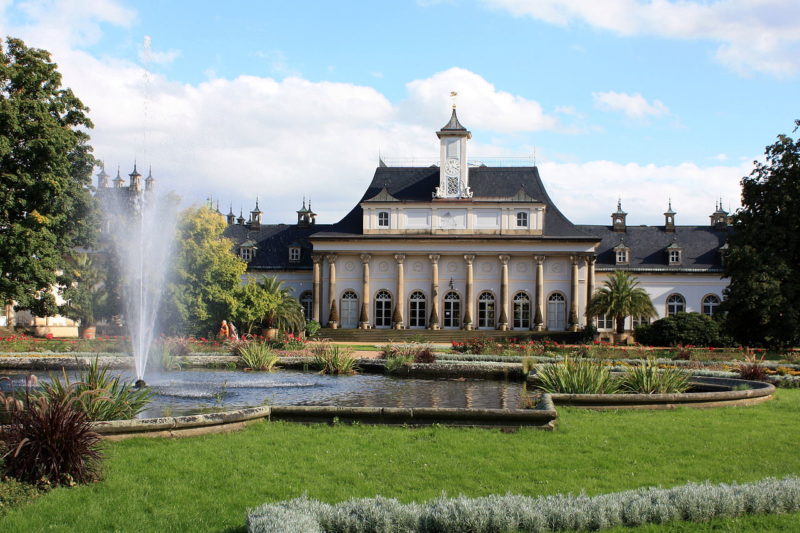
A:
[621,298]
[285,312]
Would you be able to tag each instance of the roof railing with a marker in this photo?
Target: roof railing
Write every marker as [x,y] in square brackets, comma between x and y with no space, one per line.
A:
[473,162]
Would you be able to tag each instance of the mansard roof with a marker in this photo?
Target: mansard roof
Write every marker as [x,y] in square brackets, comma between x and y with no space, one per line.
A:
[273,242]
[497,184]
[649,244]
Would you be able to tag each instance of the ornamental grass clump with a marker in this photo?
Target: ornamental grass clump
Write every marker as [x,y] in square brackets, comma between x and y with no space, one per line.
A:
[330,358]
[256,355]
[576,376]
[648,378]
[97,393]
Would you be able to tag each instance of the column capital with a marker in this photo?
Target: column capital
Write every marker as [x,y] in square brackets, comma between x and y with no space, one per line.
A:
[365,258]
[575,259]
[468,259]
[399,258]
[434,258]
[317,258]
[539,259]
[332,258]
[591,259]
[504,259]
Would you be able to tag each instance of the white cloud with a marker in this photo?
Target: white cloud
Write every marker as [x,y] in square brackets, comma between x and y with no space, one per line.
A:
[645,190]
[751,35]
[633,105]
[149,56]
[489,107]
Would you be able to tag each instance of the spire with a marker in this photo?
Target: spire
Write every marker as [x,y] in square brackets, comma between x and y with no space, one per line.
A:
[669,218]
[118,181]
[102,177]
[618,217]
[454,125]
[240,220]
[136,182]
[150,181]
[669,208]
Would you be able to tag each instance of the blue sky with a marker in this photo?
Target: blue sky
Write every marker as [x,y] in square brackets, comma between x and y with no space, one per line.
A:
[638,99]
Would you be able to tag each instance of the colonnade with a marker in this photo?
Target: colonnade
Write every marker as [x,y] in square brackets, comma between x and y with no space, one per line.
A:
[433,321]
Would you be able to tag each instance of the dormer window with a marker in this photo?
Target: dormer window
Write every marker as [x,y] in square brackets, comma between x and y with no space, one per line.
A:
[383,219]
[622,254]
[674,254]
[246,254]
[522,219]
[294,253]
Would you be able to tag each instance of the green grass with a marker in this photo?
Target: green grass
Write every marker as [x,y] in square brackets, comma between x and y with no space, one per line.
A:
[207,483]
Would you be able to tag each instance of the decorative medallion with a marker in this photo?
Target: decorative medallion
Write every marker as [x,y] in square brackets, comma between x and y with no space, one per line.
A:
[417,267]
[556,267]
[383,266]
[452,267]
[522,267]
[486,267]
[349,266]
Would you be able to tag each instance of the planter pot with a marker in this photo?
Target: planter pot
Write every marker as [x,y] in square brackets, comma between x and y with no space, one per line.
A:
[89,332]
[270,333]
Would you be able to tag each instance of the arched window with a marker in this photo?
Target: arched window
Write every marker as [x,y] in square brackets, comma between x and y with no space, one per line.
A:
[383,309]
[710,304]
[416,310]
[349,309]
[452,310]
[522,311]
[307,302]
[675,304]
[486,310]
[556,312]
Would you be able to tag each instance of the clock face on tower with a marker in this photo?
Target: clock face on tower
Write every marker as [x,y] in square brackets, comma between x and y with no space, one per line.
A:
[451,167]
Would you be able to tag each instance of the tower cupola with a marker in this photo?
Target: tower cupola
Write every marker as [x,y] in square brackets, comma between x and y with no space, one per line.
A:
[305,216]
[118,181]
[255,217]
[102,177]
[230,217]
[719,218]
[136,179]
[453,170]
[618,218]
[669,218]
[241,219]
[150,181]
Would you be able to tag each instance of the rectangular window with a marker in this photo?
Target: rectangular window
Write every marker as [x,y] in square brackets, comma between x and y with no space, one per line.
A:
[605,322]
[640,321]
[674,256]
[522,219]
[383,219]
[622,256]
[246,253]
[294,254]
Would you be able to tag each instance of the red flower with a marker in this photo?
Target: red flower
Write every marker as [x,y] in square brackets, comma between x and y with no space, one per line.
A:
[48,336]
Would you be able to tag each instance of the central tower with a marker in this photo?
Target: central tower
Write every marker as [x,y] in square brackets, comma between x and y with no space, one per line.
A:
[453,169]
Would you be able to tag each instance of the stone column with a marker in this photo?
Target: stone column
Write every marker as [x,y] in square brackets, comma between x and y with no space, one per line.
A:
[363,318]
[503,324]
[333,316]
[468,304]
[397,316]
[538,317]
[317,309]
[574,323]
[590,261]
[433,321]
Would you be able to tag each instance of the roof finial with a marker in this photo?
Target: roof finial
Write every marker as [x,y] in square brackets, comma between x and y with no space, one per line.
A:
[534,155]
[619,203]
[669,207]
[453,95]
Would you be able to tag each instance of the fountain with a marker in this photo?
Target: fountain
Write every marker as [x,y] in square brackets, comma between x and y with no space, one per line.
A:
[140,226]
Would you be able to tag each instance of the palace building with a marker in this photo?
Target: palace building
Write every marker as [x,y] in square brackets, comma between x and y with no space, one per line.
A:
[467,246]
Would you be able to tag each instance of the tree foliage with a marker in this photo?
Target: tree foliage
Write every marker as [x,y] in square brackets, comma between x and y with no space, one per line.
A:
[681,328]
[45,176]
[763,298]
[621,297]
[206,275]
[268,303]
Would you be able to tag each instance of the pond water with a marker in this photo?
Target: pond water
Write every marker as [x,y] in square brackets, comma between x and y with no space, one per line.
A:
[201,390]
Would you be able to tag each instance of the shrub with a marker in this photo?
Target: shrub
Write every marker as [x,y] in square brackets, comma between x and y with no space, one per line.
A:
[13,493]
[98,394]
[256,355]
[576,376]
[690,502]
[681,328]
[475,345]
[333,359]
[752,368]
[51,442]
[647,378]
[312,328]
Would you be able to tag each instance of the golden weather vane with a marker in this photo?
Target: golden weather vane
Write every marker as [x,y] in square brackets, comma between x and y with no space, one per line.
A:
[453,95]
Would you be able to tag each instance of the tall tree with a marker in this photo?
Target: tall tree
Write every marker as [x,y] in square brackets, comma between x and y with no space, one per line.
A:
[206,276]
[621,298]
[45,176]
[762,304]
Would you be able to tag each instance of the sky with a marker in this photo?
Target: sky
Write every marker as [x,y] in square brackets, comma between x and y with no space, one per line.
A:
[647,101]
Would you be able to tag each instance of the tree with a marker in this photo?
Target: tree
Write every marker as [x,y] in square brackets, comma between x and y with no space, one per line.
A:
[681,328]
[253,304]
[621,298]
[87,290]
[206,276]
[762,300]
[270,304]
[46,208]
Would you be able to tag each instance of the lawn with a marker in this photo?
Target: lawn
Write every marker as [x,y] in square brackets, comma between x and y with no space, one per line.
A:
[207,483]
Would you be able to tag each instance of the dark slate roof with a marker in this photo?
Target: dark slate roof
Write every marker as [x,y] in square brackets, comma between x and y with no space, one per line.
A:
[273,242]
[417,184]
[648,248]
[453,124]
